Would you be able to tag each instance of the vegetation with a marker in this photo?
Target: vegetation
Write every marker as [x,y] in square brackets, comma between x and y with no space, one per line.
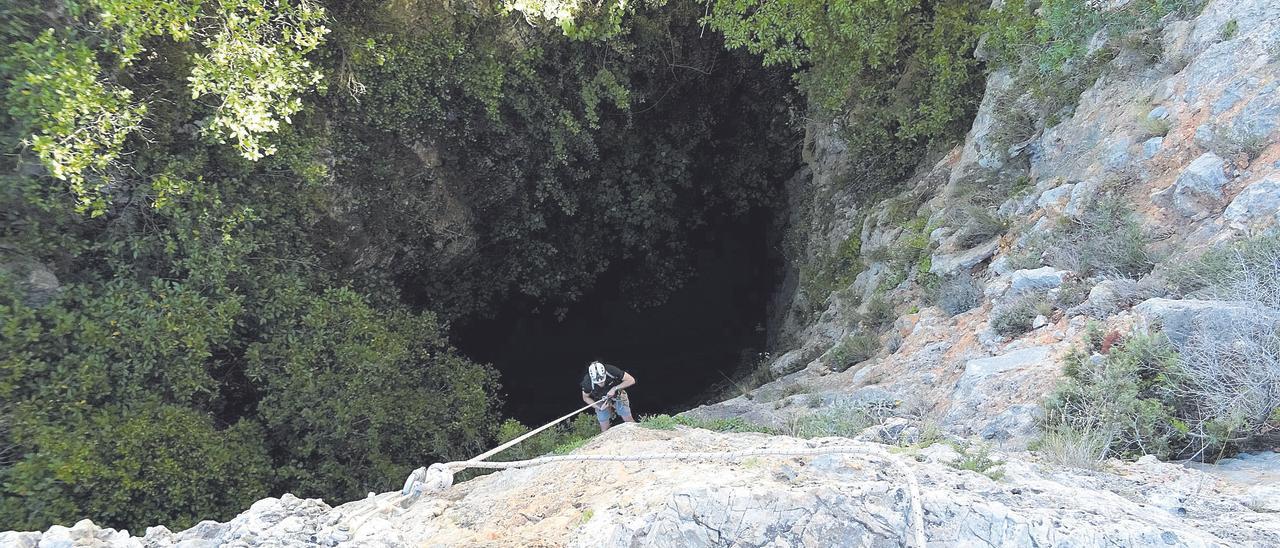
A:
[1071,447]
[854,349]
[978,460]
[556,440]
[1105,239]
[668,422]
[1052,51]
[1016,315]
[844,418]
[1122,397]
[1203,397]
[898,73]
[263,214]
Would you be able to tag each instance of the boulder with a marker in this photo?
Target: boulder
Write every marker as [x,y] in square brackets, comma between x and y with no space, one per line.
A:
[1258,205]
[944,264]
[990,397]
[1013,426]
[1082,196]
[787,363]
[1151,147]
[1036,279]
[15,539]
[1179,319]
[1110,296]
[978,371]
[981,152]
[1198,189]
[36,281]
[1054,199]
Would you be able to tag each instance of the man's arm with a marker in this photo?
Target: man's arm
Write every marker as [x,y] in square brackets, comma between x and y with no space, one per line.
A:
[587,398]
[627,381]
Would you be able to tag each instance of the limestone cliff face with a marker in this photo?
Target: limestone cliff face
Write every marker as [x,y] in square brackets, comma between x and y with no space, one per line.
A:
[1187,137]
[857,499]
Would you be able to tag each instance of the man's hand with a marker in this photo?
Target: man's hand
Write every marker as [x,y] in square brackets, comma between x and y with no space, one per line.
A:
[613,392]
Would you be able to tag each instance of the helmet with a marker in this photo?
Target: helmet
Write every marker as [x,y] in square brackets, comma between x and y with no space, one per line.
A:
[596,371]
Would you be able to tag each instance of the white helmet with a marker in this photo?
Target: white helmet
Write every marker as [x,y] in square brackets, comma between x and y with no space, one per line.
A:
[596,371]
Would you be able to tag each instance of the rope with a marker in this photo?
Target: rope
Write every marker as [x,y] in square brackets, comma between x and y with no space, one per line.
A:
[439,476]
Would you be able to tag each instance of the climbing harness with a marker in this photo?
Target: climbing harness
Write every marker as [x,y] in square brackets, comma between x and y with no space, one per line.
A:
[438,477]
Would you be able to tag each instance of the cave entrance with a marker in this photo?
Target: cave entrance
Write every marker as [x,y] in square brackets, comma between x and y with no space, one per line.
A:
[677,351]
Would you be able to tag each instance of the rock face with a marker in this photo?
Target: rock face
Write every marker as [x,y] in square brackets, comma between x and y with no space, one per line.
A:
[1198,190]
[861,498]
[36,281]
[1179,319]
[1257,206]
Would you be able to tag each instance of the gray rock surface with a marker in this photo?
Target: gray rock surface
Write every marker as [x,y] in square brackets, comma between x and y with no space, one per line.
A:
[944,264]
[1179,319]
[1038,279]
[1198,190]
[1257,206]
[863,498]
[36,281]
[1055,199]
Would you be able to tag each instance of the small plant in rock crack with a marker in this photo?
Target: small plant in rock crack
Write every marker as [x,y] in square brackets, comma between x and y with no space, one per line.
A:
[978,460]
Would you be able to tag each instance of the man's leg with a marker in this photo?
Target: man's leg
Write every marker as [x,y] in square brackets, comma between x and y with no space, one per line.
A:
[604,416]
[623,405]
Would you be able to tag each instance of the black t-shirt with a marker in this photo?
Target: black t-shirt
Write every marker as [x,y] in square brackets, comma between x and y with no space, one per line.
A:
[612,378]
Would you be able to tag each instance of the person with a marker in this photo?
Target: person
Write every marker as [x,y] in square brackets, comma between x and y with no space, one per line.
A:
[603,381]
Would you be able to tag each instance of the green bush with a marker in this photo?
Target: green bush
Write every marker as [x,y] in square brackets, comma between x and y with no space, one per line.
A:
[979,461]
[1230,29]
[143,465]
[1049,50]
[341,383]
[1209,395]
[335,385]
[1122,397]
[854,349]
[897,73]
[559,439]
[1016,316]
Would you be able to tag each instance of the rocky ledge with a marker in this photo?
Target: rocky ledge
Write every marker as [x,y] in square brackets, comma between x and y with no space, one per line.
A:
[858,499]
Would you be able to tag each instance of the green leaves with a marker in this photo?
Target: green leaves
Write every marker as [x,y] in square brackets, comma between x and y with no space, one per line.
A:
[256,66]
[896,73]
[76,116]
[77,121]
[356,396]
[136,466]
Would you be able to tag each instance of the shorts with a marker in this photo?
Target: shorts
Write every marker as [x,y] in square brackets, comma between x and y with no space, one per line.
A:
[620,403]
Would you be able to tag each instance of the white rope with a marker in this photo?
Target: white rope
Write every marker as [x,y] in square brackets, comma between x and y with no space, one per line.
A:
[439,476]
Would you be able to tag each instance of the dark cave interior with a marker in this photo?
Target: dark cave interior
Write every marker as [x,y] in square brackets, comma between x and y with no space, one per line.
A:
[676,351]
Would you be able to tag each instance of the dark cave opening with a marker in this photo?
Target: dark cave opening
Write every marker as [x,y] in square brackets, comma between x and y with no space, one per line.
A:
[676,351]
